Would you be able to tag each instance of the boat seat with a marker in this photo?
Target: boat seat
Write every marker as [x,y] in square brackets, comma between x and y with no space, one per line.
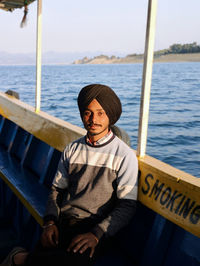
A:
[27,166]
[24,183]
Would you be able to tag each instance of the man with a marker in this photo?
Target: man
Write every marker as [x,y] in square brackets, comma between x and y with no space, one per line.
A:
[94,191]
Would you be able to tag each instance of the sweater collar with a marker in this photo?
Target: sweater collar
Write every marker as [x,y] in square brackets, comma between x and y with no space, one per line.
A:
[101,141]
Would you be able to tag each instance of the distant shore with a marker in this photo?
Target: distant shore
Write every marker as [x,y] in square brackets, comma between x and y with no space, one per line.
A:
[130,59]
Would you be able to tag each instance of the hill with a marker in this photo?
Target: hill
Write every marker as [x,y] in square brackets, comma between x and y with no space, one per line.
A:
[103,59]
[175,53]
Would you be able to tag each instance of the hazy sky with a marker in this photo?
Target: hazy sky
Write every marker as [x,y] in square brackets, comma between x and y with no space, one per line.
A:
[106,25]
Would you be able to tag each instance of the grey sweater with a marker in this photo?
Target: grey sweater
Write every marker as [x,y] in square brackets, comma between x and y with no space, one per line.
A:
[95,181]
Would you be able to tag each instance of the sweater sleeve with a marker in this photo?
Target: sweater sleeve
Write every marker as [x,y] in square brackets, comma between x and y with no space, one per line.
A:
[60,184]
[117,219]
[53,205]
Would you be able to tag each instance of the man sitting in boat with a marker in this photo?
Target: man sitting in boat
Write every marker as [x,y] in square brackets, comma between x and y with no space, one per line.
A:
[94,191]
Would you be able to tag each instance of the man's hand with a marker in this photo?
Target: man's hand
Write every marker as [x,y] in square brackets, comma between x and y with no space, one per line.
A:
[49,236]
[82,242]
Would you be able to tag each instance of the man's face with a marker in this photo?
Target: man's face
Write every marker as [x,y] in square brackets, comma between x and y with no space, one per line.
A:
[95,120]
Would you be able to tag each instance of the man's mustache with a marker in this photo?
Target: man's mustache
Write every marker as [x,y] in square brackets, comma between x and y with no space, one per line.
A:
[92,124]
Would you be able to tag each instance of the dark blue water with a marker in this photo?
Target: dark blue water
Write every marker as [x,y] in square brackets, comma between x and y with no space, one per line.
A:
[174,125]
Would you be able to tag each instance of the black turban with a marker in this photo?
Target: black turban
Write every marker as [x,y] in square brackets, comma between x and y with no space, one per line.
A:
[106,98]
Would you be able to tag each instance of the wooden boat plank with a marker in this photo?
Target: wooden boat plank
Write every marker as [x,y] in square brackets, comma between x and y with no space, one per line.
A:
[53,131]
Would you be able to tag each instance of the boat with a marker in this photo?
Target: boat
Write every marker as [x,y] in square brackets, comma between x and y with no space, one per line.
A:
[166,228]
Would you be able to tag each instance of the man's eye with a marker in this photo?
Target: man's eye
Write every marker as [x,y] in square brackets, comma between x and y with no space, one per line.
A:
[86,113]
[100,113]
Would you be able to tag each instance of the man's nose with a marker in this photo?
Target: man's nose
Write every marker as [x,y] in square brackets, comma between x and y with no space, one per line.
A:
[92,118]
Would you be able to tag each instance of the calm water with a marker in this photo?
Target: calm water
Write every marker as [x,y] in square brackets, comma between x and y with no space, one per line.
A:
[174,126]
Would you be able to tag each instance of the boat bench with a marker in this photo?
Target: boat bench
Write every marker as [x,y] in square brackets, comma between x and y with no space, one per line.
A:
[27,166]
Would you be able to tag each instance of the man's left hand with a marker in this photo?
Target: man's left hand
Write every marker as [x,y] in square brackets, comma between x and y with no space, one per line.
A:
[82,242]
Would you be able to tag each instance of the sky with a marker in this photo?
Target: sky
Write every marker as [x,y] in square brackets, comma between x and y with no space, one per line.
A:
[108,26]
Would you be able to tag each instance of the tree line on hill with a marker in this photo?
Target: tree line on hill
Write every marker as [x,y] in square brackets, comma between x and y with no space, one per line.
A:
[175,49]
[180,49]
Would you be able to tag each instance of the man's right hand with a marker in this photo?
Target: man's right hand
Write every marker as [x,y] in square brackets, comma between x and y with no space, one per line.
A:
[49,236]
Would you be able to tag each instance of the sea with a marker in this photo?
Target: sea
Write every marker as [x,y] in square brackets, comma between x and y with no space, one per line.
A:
[174,119]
